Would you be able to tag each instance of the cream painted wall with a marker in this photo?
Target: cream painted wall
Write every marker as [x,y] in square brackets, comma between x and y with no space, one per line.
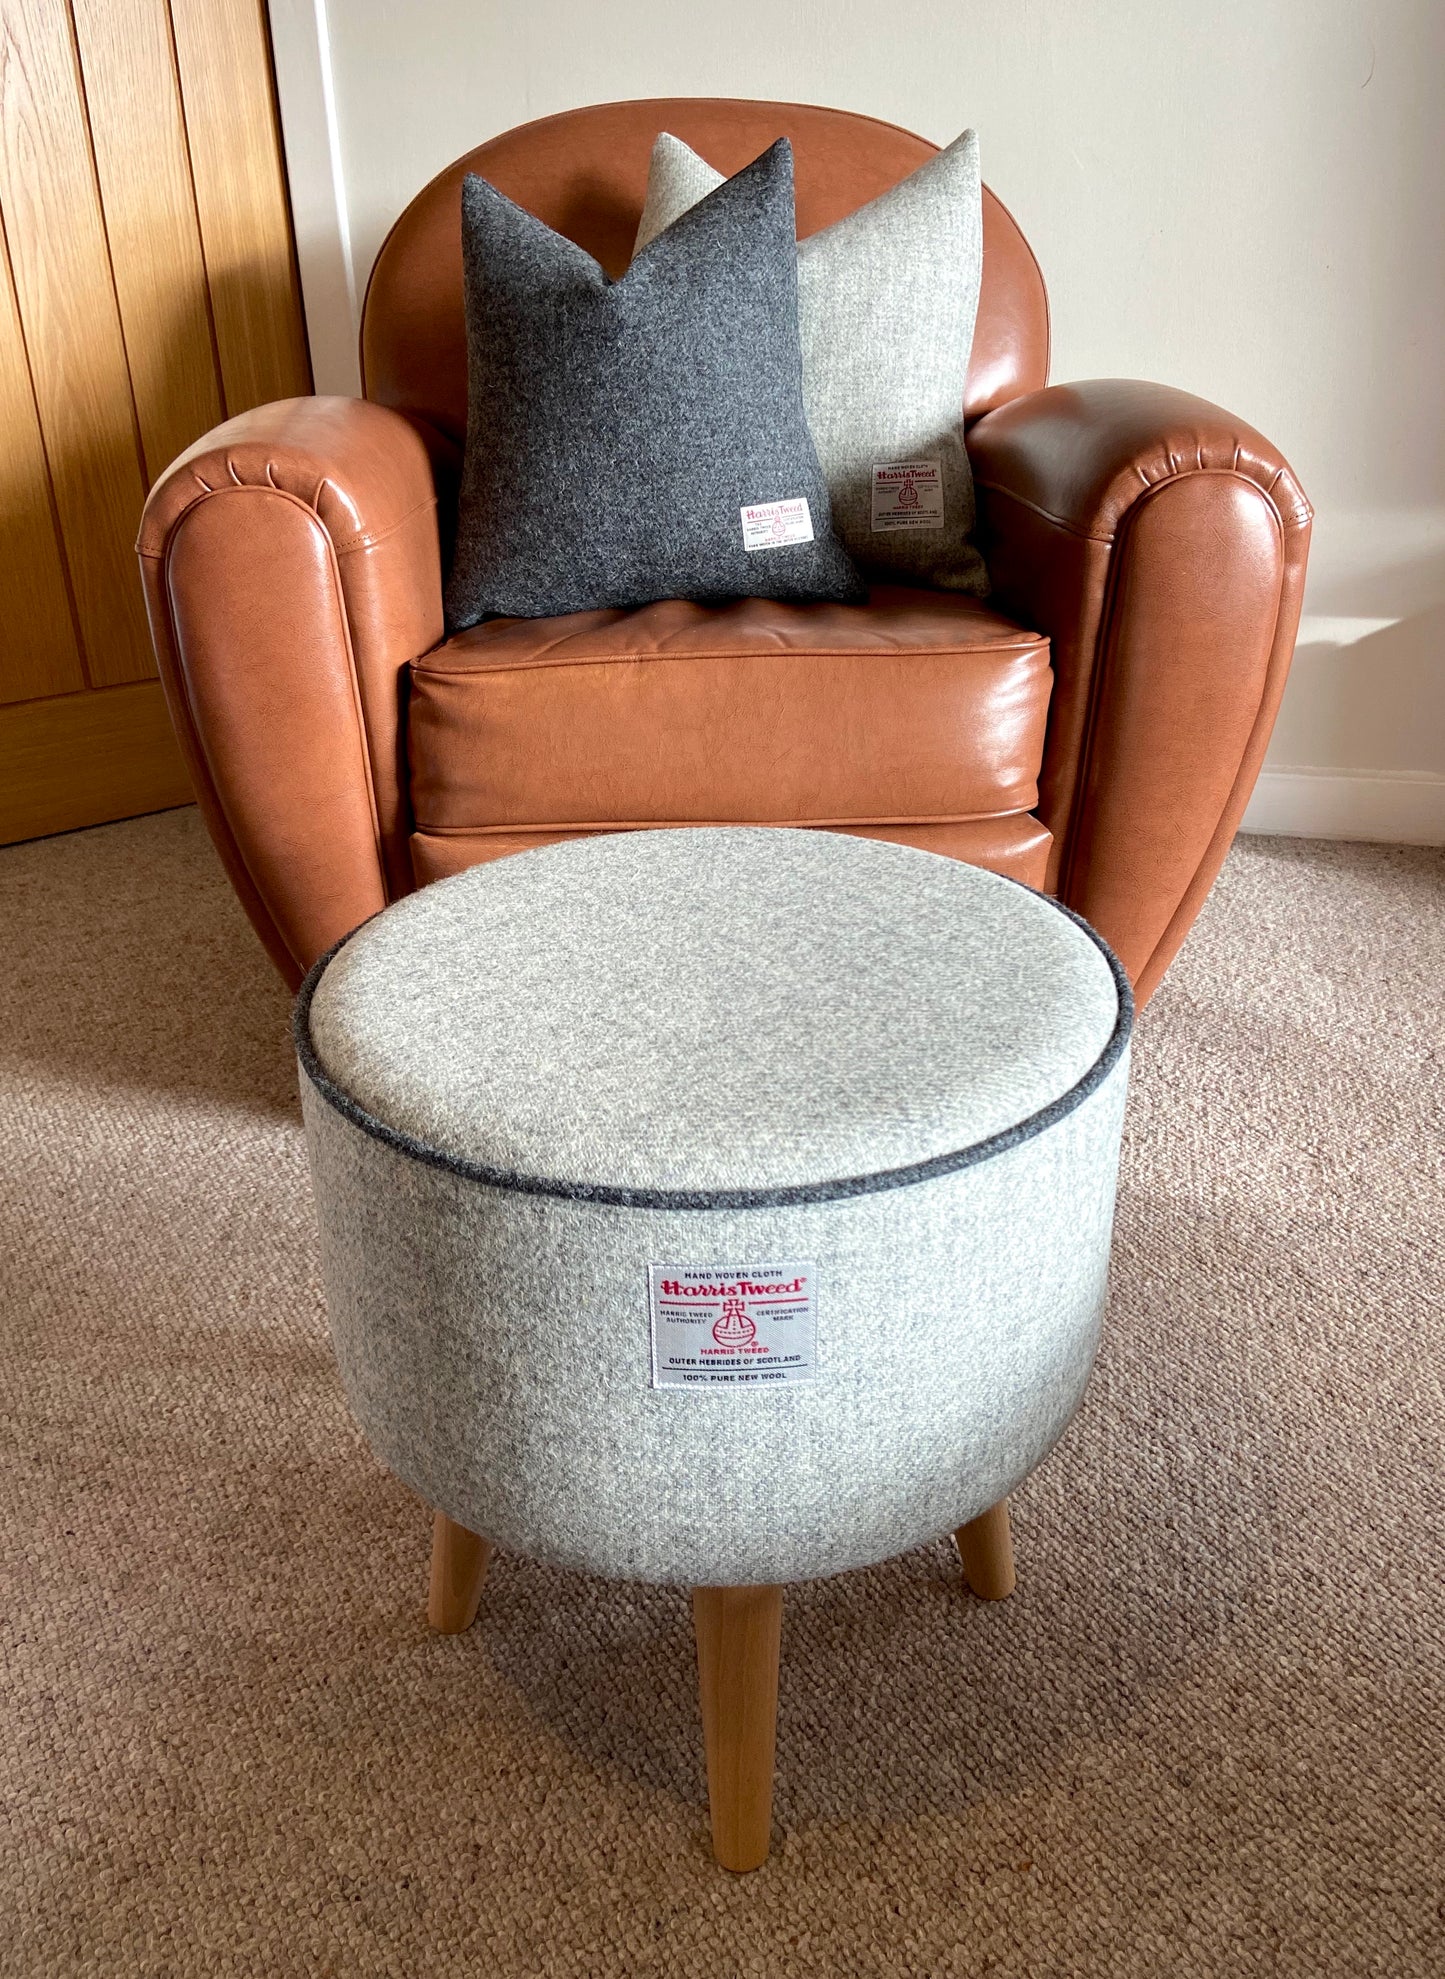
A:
[1241,197]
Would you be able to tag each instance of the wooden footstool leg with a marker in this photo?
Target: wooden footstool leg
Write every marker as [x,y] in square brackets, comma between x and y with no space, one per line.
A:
[986,1548]
[738,1634]
[459,1562]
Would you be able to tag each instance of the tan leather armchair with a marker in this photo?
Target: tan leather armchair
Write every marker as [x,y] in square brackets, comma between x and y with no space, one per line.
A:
[1095,727]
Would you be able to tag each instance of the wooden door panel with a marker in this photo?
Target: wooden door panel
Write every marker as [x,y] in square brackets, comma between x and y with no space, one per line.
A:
[147,286]
[67,302]
[42,656]
[81,758]
[224,57]
[131,86]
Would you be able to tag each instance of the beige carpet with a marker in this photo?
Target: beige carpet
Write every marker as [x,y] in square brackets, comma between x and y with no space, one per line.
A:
[1204,1738]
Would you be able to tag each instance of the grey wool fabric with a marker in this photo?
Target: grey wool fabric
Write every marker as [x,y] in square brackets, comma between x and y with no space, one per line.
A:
[713,1009]
[887,301]
[874,1093]
[617,431]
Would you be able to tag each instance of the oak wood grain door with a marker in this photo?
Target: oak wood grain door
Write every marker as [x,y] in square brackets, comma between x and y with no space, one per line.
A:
[147,290]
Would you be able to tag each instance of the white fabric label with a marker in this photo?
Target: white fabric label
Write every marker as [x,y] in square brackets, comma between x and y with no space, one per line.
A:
[768,525]
[908,494]
[733,1326]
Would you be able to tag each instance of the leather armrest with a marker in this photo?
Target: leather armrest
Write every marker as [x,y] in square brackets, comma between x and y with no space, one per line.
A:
[292,571]
[1161,544]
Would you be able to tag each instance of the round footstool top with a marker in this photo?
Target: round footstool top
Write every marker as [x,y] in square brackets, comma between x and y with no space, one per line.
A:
[721,1205]
[729,1014]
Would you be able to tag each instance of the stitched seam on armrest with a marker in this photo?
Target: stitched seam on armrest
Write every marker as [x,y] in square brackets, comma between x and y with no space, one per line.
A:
[178,697]
[1106,647]
[363,539]
[1297,519]
[1059,521]
[367,539]
[343,622]
[1234,803]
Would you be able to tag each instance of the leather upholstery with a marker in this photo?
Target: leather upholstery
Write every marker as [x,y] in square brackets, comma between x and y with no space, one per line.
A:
[1161,543]
[1015,844]
[292,570]
[585,174]
[1149,545]
[917,707]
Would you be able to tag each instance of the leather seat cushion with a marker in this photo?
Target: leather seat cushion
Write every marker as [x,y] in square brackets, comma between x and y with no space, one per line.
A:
[919,707]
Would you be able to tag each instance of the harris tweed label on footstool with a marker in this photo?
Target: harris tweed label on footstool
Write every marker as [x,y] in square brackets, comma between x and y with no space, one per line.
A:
[733,1326]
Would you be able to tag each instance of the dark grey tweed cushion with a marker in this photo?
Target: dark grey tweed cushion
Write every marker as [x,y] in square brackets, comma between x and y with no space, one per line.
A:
[616,430]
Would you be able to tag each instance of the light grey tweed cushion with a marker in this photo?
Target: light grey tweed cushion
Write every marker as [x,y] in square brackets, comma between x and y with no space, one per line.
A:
[542,1093]
[887,300]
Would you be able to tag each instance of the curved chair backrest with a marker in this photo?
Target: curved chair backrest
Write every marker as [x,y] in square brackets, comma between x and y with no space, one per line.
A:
[585,173]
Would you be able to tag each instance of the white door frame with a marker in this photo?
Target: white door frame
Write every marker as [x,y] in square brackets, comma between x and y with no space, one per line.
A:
[311,134]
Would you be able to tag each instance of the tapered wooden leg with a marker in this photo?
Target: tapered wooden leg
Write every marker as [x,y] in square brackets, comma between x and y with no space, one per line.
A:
[986,1548]
[739,1630]
[459,1562]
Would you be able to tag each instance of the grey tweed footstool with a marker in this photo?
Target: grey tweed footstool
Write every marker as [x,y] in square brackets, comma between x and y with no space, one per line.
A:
[725,1207]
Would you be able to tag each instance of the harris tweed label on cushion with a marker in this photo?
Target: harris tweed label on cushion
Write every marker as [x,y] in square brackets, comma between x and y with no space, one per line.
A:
[773,525]
[908,494]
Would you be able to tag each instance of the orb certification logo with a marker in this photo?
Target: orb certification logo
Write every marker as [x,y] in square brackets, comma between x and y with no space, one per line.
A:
[735,1331]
